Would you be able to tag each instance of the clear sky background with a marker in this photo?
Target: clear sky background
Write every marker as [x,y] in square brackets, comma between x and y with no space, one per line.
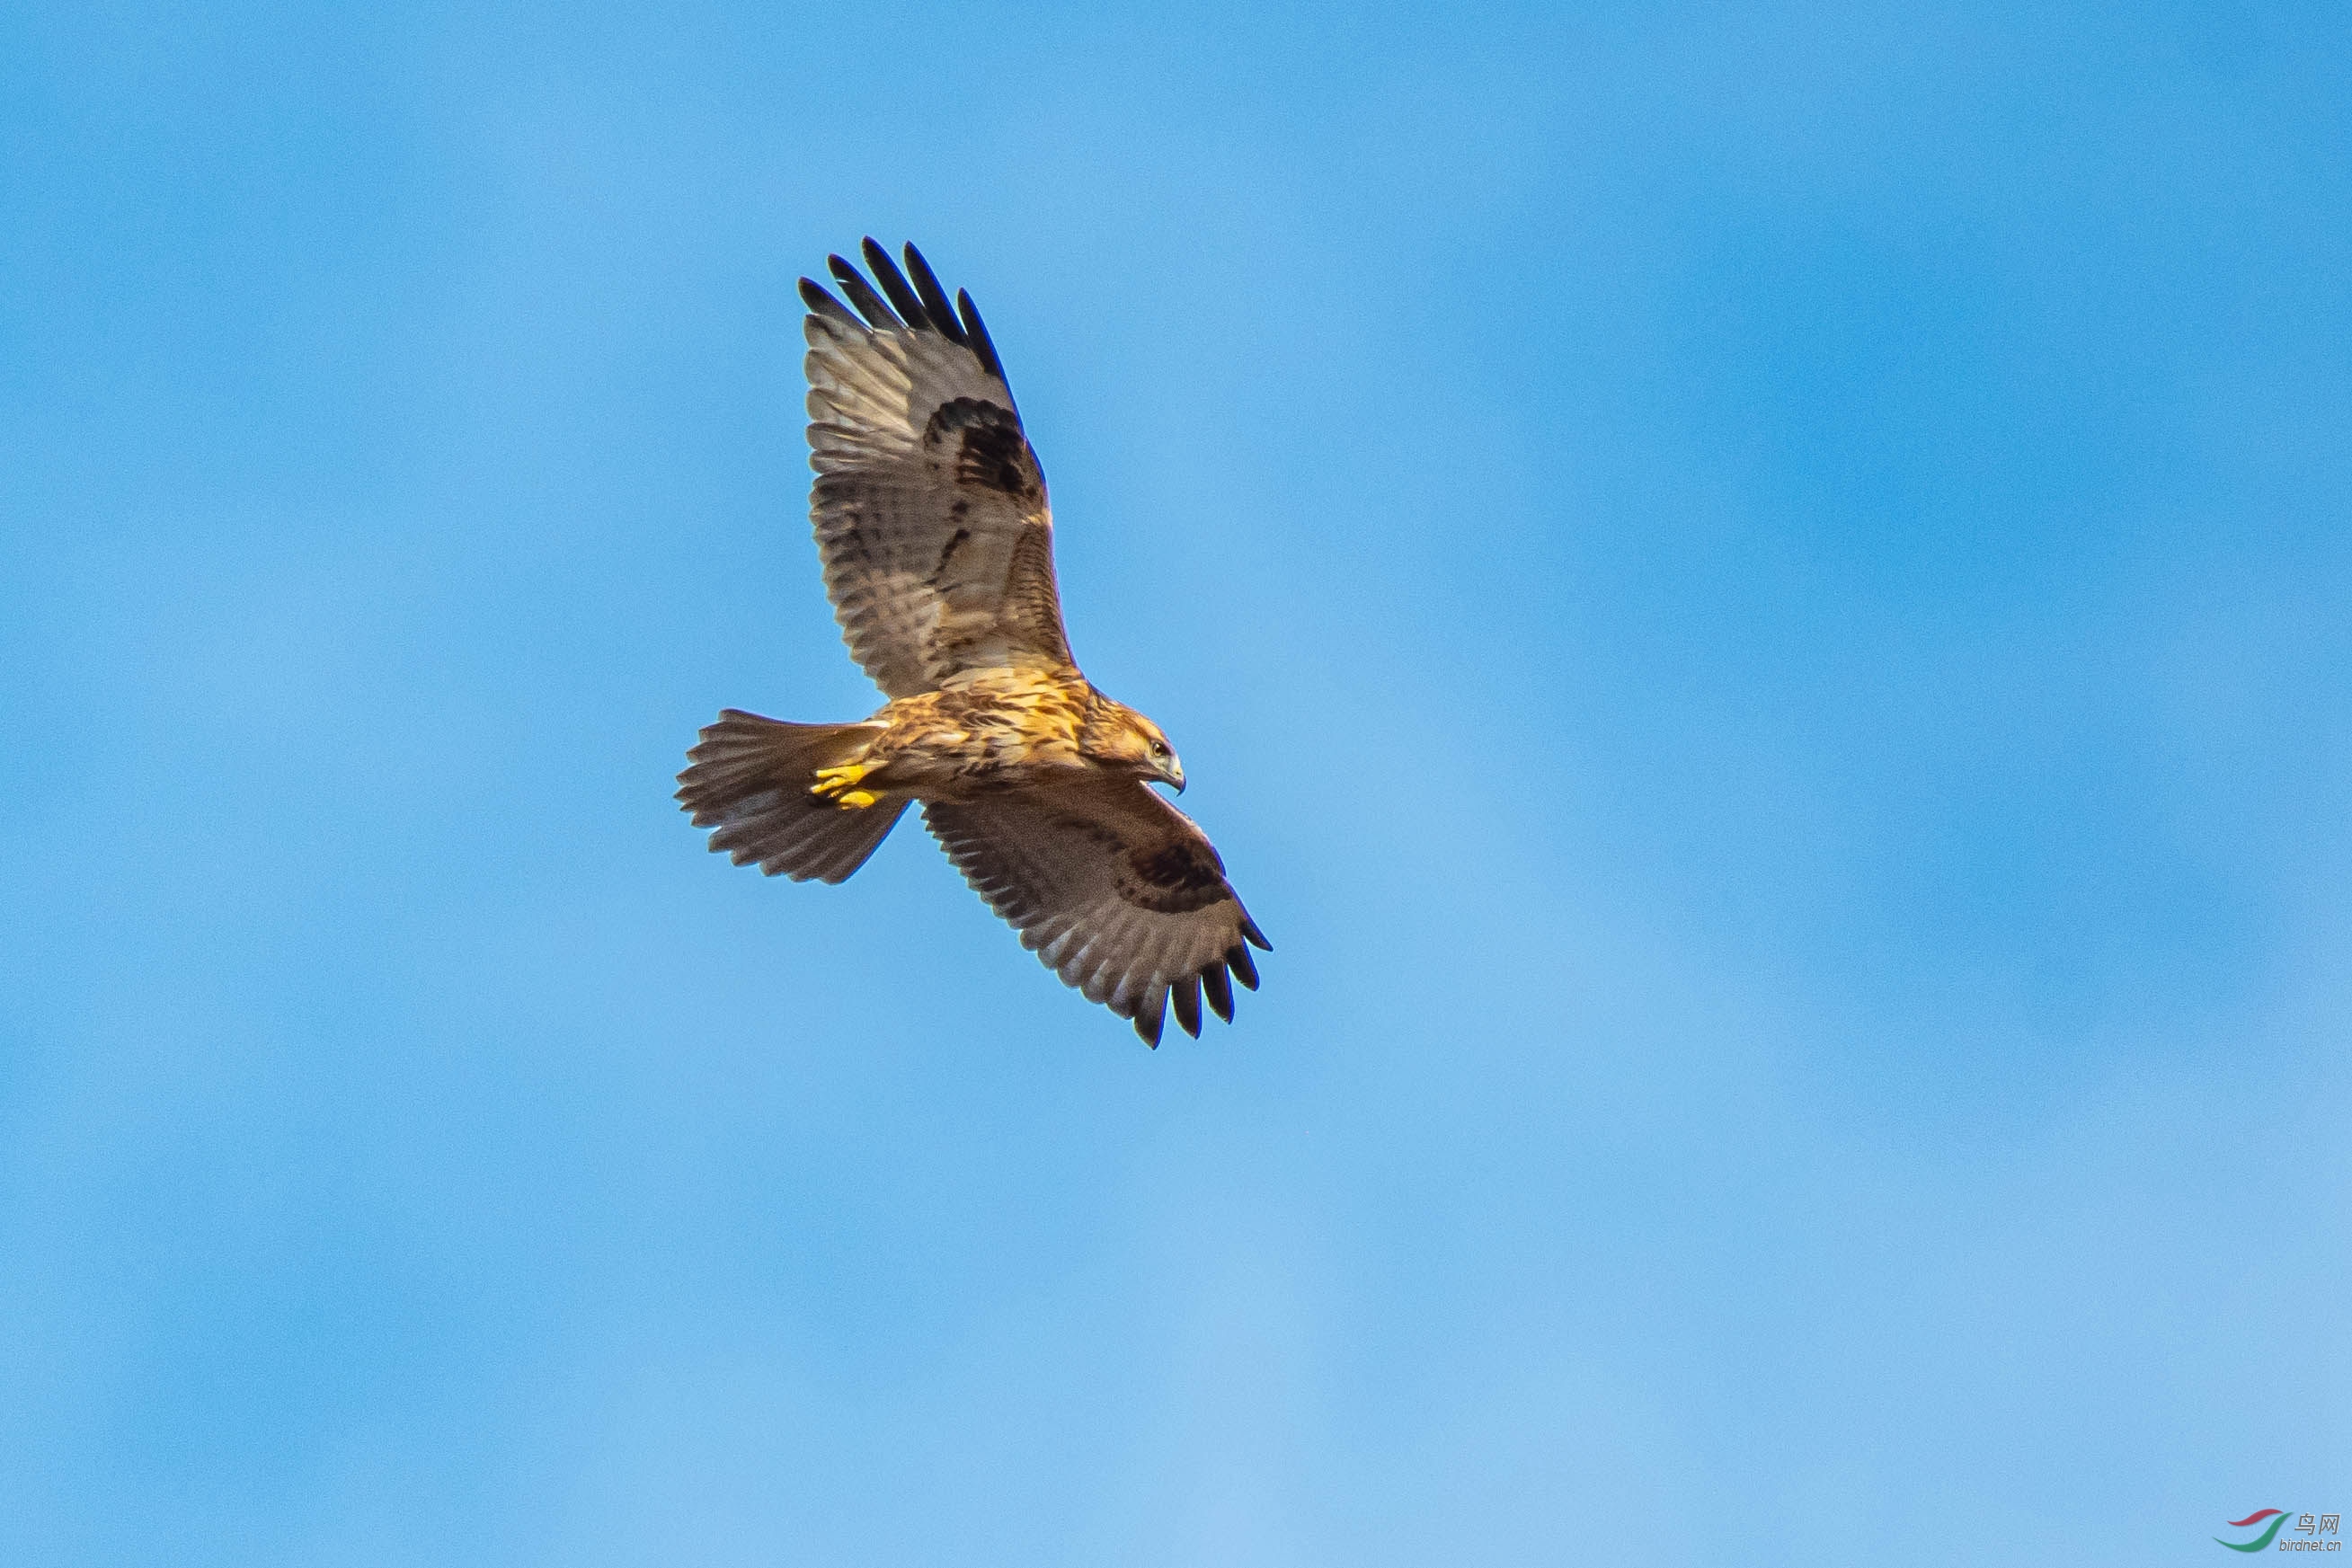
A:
[1756,597]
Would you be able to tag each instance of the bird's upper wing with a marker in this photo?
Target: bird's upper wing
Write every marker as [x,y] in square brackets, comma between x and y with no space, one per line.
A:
[930,506]
[1115,889]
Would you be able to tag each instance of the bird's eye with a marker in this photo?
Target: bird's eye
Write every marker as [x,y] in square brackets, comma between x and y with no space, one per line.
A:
[1159,748]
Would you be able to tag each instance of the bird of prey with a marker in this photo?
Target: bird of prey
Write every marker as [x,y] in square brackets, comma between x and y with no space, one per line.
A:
[938,546]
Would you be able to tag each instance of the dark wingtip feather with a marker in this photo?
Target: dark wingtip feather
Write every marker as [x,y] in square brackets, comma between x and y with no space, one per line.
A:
[1186,995]
[1149,1024]
[935,298]
[1245,967]
[1220,991]
[821,301]
[977,331]
[894,284]
[1250,930]
[861,294]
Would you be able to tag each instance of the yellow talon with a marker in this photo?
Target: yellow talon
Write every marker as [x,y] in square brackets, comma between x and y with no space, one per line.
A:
[836,782]
[856,799]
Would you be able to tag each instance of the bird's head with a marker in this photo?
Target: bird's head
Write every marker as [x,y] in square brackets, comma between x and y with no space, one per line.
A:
[1122,737]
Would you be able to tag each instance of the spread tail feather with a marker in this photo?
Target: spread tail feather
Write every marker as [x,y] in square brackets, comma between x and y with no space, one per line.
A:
[749,779]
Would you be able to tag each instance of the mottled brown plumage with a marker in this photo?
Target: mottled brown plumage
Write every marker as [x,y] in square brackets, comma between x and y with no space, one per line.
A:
[937,542]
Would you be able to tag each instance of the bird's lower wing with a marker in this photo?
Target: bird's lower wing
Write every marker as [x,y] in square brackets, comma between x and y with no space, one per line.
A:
[1116,889]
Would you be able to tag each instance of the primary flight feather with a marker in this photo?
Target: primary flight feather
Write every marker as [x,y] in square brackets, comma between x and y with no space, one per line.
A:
[938,545]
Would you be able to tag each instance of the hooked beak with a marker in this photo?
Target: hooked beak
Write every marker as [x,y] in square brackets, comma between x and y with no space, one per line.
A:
[1174,774]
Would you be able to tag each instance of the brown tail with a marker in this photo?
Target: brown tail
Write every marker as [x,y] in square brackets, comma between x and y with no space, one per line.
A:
[749,778]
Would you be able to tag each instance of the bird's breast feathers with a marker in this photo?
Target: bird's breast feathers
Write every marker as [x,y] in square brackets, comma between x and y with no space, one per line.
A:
[1015,730]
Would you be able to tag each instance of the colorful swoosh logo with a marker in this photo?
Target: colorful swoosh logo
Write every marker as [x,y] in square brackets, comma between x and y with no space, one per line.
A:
[2277,1516]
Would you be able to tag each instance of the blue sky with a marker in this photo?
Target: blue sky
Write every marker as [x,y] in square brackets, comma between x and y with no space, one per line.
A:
[1755,599]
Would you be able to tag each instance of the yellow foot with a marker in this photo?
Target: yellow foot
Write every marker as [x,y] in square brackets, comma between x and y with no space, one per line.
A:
[837,782]
[839,785]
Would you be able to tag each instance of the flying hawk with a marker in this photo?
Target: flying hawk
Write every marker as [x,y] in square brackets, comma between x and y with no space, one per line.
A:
[938,545]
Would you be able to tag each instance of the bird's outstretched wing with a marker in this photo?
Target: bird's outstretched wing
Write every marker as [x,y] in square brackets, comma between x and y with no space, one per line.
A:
[1116,889]
[930,506]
